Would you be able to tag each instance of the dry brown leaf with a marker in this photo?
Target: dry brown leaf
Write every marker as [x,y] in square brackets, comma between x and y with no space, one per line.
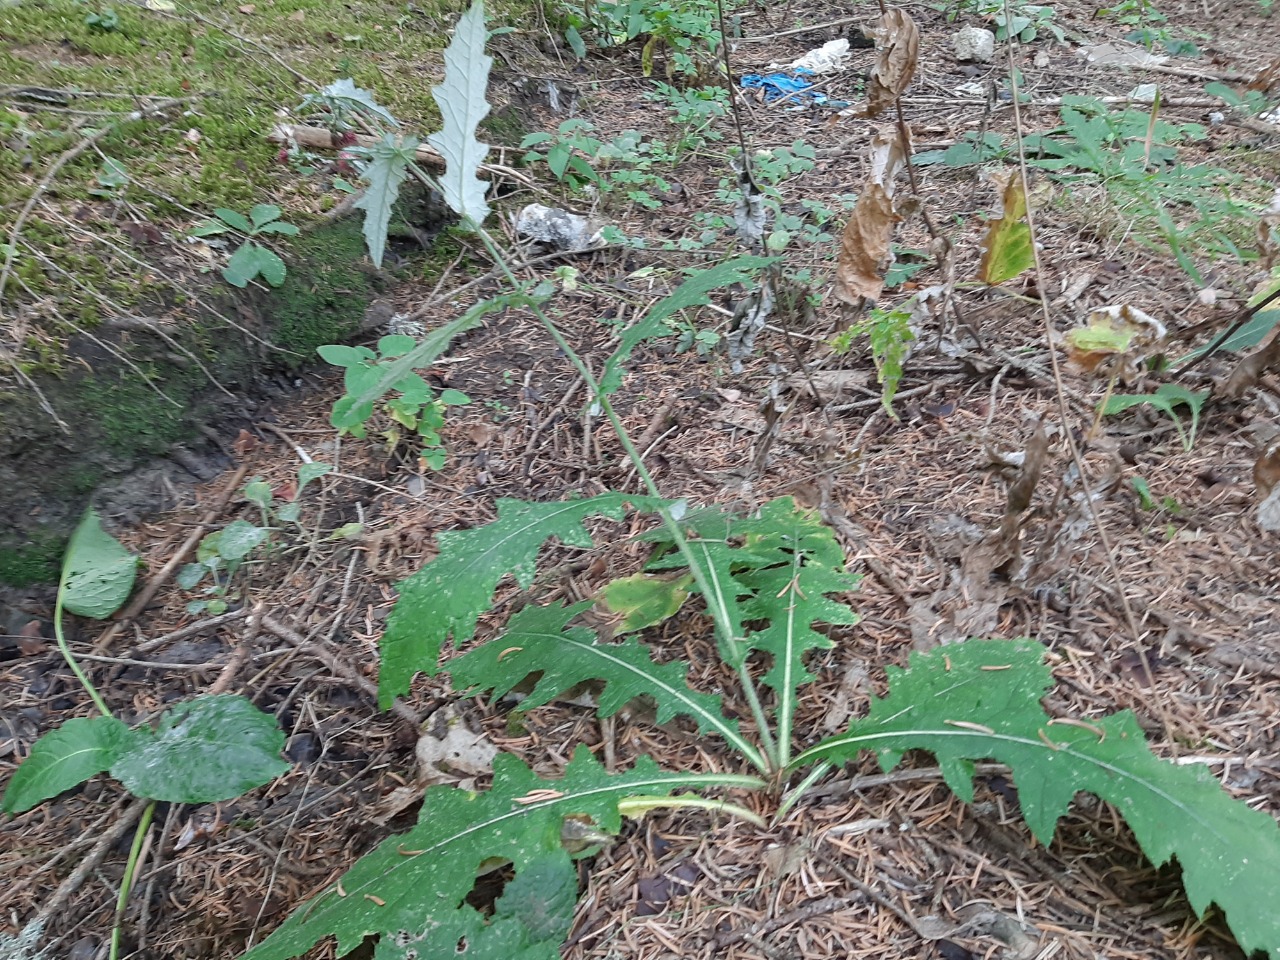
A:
[887,155]
[1024,487]
[1266,472]
[865,252]
[832,385]
[864,247]
[448,749]
[1118,335]
[244,443]
[1248,370]
[1267,77]
[897,50]
[1266,477]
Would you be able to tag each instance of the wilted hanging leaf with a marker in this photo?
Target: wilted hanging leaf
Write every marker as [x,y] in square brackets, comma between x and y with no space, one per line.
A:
[1267,77]
[865,251]
[1117,332]
[897,50]
[1266,477]
[888,155]
[1248,370]
[1007,248]
[1022,489]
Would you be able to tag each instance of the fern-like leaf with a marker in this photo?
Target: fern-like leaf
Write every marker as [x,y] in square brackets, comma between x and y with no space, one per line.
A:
[540,640]
[462,107]
[980,700]
[386,170]
[445,598]
[791,594]
[409,892]
[777,565]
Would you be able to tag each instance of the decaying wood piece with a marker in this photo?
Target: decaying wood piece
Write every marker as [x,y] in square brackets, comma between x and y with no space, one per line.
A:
[320,138]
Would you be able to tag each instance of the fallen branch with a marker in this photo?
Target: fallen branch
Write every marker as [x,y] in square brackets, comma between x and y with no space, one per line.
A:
[320,138]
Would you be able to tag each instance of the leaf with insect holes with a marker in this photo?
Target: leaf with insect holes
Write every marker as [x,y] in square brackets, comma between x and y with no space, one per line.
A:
[445,598]
[980,700]
[1007,249]
[386,170]
[65,757]
[897,51]
[538,640]
[411,891]
[98,572]
[462,103]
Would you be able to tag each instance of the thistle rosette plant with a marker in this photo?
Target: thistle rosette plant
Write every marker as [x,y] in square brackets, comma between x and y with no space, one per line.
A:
[769,581]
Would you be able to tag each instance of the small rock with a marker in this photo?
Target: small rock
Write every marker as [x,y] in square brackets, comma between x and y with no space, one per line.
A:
[558,229]
[974,43]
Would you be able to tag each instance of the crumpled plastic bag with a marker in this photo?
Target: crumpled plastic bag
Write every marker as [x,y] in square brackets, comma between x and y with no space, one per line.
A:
[792,85]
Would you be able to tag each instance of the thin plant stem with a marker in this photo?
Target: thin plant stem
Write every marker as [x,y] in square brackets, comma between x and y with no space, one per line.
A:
[66,651]
[638,806]
[797,793]
[126,882]
[715,600]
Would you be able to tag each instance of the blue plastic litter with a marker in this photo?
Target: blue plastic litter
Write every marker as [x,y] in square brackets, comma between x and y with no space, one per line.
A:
[792,84]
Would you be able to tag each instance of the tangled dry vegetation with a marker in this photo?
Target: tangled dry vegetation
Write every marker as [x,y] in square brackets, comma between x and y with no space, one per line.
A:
[989,496]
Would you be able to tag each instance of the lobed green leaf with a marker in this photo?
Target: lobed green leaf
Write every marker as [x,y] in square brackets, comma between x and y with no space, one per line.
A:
[462,103]
[446,597]
[980,700]
[386,171]
[410,891]
[538,640]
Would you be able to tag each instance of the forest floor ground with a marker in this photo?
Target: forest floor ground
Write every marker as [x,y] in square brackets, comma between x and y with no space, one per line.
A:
[1148,576]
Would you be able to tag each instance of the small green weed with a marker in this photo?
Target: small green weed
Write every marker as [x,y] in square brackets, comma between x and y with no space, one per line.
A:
[251,258]
[104,19]
[417,408]
[889,335]
[1167,398]
[687,32]
[220,554]
[1026,21]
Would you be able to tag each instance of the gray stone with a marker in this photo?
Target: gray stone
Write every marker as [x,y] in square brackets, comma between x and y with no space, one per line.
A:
[557,228]
[974,43]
